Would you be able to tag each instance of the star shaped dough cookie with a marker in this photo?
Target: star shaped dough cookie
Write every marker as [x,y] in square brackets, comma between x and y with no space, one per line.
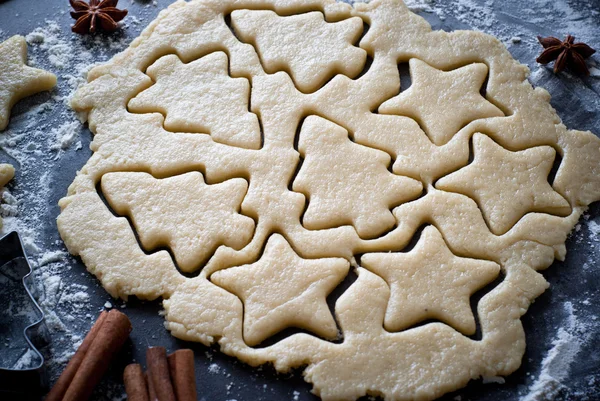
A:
[283,290]
[199,217]
[443,102]
[339,177]
[506,185]
[17,80]
[430,282]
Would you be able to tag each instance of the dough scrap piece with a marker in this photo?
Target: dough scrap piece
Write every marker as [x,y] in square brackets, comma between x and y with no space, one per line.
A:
[17,80]
[212,102]
[507,184]
[307,46]
[418,363]
[182,212]
[7,173]
[429,282]
[335,168]
[443,101]
[282,290]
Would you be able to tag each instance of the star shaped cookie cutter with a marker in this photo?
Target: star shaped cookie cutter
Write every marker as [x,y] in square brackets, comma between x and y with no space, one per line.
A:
[31,378]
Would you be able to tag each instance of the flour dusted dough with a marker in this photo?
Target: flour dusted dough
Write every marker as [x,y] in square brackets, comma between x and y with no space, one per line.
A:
[17,80]
[344,168]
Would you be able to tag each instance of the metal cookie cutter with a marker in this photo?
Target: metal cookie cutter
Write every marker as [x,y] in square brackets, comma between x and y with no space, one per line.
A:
[22,327]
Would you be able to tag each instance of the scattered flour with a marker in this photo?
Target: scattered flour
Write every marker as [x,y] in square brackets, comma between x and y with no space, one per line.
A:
[28,360]
[49,39]
[51,257]
[214,368]
[594,228]
[39,135]
[418,6]
[556,366]
[66,135]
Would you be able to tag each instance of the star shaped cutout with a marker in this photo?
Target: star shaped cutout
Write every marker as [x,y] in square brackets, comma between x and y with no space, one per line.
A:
[430,282]
[17,80]
[506,185]
[443,102]
[283,290]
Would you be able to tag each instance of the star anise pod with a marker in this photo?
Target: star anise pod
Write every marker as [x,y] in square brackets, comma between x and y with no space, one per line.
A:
[102,13]
[567,54]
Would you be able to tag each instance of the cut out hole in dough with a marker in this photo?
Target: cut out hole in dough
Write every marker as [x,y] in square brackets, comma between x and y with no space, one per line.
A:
[310,49]
[282,290]
[200,217]
[507,185]
[339,178]
[443,101]
[429,282]
[211,103]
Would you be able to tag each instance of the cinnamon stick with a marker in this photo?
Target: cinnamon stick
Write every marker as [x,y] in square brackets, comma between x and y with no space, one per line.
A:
[111,336]
[135,383]
[151,391]
[158,373]
[181,365]
[62,384]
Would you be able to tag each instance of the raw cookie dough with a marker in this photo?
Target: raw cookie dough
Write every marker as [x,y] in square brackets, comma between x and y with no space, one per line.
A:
[263,125]
[505,184]
[17,80]
[7,172]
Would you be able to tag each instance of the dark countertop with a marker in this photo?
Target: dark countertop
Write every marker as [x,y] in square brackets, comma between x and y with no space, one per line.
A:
[569,305]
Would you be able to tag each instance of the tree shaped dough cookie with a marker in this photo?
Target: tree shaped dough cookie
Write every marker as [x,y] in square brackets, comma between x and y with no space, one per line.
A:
[200,217]
[443,101]
[506,184]
[213,103]
[336,169]
[283,290]
[17,80]
[309,48]
[430,282]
